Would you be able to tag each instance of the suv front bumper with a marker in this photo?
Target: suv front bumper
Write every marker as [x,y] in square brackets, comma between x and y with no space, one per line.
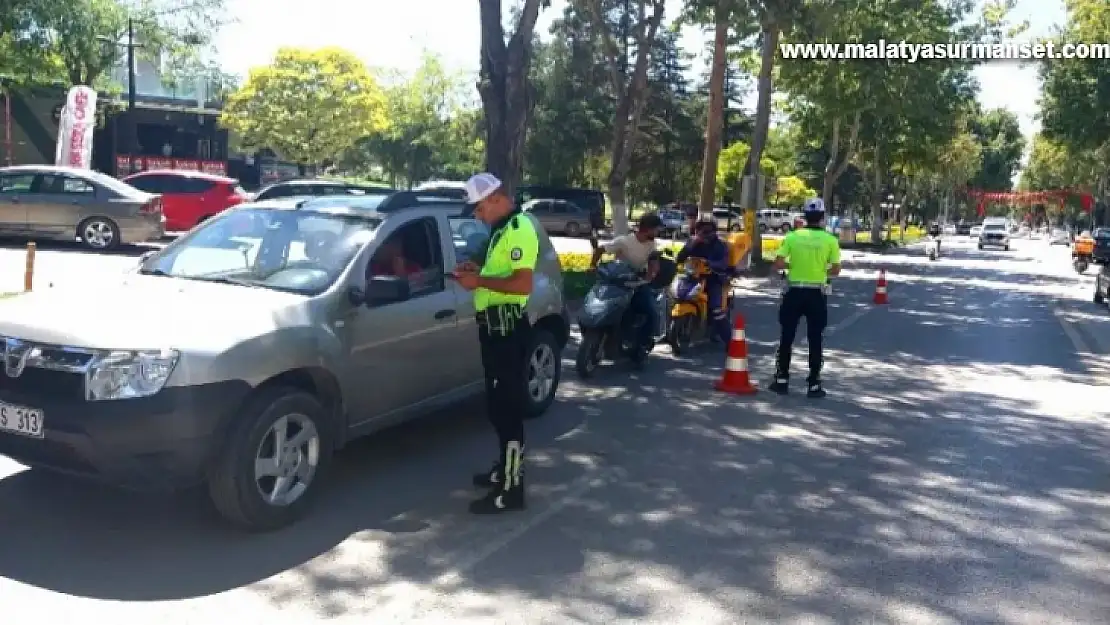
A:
[158,443]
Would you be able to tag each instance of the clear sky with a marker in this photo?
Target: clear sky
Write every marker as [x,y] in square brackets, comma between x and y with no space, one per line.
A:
[393,33]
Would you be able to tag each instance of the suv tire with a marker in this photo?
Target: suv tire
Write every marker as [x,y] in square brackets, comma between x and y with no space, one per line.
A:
[233,484]
[1099,298]
[543,350]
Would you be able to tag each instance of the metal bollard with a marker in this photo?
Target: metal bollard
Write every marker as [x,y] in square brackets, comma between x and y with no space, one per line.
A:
[29,272]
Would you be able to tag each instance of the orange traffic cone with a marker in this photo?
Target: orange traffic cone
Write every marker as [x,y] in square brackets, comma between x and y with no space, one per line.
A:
[736,379]
[880,289]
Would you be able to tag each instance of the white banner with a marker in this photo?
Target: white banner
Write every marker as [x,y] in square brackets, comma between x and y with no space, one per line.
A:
[75,129]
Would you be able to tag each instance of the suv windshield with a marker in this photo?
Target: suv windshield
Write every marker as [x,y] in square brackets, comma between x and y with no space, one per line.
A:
[285,250]
[994,227]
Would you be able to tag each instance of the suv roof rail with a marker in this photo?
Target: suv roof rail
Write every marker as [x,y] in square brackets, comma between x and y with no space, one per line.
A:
[412,199]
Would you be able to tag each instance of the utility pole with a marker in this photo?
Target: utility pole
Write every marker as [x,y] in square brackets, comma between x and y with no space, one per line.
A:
[132,123]
[131,126]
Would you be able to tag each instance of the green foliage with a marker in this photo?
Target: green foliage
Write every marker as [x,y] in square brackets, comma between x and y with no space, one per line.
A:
[308,106]
[432,132]
[731,164]
[791,191]
[1076,91]
[999,134]
[75,42]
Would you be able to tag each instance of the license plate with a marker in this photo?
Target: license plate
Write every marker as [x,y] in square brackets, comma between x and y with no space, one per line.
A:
[21,420]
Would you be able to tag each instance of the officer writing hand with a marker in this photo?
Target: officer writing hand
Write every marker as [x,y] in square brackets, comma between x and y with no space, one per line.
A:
[467,279]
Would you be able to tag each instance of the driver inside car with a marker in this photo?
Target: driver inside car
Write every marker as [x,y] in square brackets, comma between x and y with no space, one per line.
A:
[390,260]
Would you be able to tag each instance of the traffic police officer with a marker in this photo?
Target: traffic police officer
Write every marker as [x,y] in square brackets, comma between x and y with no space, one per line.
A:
[811,256]
[501,288]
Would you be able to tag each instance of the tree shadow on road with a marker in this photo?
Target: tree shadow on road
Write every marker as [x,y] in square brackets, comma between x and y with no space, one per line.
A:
[908,495]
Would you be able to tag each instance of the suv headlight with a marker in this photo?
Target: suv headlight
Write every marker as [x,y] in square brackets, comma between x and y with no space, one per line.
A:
[129,374]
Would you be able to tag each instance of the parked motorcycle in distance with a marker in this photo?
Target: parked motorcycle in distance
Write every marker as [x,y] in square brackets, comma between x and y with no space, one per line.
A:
[689,322]
[608,328]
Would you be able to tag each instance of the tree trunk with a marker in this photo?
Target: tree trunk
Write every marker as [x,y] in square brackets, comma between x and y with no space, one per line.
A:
[839,161]
[631,98]
[505,90]
[716,115]
[759,133]
[877,199]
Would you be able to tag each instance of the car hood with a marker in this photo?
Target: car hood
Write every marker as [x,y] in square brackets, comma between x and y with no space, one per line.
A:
[148,312]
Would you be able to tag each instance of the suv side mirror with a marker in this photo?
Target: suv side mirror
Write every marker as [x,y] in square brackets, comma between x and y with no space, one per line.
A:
[146,256]
[383,290]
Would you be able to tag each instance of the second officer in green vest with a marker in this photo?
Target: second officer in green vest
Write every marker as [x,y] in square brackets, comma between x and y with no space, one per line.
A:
[501,288]
[811,256]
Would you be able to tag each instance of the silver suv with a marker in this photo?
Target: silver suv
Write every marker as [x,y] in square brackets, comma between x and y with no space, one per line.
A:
[243,355]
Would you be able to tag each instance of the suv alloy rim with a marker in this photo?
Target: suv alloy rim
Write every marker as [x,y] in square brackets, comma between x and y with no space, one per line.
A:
[286,460]
[541,372]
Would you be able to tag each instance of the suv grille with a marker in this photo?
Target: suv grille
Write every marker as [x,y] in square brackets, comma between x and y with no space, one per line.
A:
[35,382]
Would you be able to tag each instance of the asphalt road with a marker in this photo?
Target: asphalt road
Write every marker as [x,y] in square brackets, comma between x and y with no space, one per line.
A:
[957,473]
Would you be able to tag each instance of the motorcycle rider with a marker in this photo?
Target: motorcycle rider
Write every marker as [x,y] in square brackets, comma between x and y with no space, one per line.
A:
[638,250]
[706,245]
[810,256]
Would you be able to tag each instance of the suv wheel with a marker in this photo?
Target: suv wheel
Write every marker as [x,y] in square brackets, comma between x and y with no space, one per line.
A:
[544,368]
[1099,297]
[785,228]
[272,463]
[572,229]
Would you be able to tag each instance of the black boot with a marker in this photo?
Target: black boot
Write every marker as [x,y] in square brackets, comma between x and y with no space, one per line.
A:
[499,500]
[507,492]
[490,478]
[780,384]
[815,390]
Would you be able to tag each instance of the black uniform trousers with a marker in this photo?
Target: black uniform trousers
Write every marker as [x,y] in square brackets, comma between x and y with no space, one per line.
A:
[504,360]
[810,303]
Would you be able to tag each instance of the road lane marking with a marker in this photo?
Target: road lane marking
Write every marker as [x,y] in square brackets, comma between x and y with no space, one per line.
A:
[1077,341]
[467,560]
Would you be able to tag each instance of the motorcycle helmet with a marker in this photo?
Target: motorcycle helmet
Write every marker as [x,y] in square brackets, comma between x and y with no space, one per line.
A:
[705,223]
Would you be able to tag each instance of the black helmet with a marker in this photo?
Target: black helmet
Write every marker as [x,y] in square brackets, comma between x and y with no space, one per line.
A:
[649,220]
[705,222]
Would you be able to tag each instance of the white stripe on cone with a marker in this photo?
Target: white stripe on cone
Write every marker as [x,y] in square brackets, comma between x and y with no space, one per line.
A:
[881,289]
[738,335]
[736,364]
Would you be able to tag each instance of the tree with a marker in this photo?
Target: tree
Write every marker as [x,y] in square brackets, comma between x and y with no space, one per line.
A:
[1076,90]
[572,117]
[731,164]
[308,105]
[999,134]
[791,191]
[504,87]
[431,132]
[74,40]
[630,89]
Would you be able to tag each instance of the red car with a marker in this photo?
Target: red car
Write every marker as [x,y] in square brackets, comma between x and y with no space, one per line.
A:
[189,197]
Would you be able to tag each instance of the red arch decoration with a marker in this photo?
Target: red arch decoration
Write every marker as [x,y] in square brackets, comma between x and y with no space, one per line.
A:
[1029,197]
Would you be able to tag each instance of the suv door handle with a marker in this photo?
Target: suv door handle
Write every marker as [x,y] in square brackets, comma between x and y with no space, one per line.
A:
[445,314]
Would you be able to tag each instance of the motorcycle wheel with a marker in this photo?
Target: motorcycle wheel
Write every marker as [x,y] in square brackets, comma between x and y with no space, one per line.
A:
[589,353]
[678,336]
[1080,266]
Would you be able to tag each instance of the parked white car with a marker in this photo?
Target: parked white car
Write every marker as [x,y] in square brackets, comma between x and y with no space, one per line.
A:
[1059,236]
[774,219]
[976,231]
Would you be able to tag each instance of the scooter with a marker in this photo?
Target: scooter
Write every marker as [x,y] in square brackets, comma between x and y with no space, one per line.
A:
[932,248]
[1082,254]
[689,321]
[608,329]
